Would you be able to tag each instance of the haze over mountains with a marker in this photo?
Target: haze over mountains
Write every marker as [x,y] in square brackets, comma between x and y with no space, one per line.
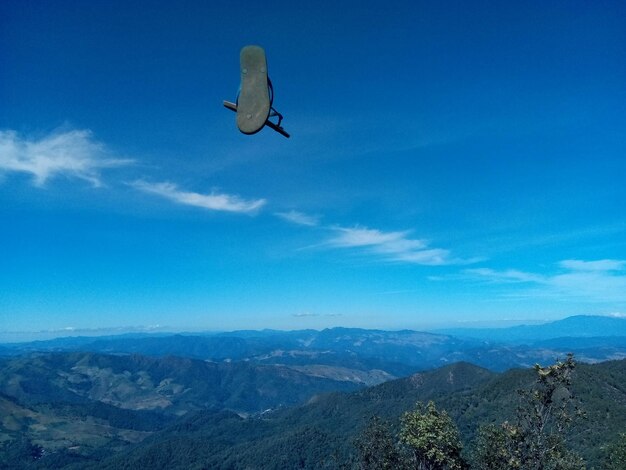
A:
[395,353]
[579,326]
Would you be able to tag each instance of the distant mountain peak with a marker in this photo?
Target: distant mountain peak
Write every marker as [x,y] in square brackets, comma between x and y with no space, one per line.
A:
[576,326]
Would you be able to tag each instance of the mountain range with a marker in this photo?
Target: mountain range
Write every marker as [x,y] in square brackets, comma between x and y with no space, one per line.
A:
[125,426]
[283,399]
[579,326]
[389,354]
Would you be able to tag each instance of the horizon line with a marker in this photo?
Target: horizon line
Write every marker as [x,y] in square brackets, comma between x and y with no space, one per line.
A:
[10,337]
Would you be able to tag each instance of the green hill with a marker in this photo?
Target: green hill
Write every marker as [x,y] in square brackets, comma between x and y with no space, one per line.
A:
[79,406]
[100,395]
[320,434]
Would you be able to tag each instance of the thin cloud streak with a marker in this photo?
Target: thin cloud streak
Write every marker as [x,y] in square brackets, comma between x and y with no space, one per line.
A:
[386,241]
[71,153]
[600,265]
[509,275]
[392,246]
[309,314]
[214,201]
[298,218]
[595,281]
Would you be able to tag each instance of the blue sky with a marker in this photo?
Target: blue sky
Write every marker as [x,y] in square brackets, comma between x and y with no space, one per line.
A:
[449,162]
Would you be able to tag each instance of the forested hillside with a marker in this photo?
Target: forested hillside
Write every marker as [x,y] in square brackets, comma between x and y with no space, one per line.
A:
[321,434]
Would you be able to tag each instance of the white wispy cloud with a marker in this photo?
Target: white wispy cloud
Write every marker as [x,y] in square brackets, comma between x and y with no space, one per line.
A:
[509,275]
[213,201]
[72,153]
[309,314]
[299,218]
[433,257]
[599,265]
[385,241]
[395,246]
[392,246]
[596,281]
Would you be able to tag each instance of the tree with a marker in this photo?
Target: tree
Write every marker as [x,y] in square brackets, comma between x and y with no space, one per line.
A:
[376,447]
[547,410]
[19,453]
[495,447]
[432,438]
[616,456]
[535,441]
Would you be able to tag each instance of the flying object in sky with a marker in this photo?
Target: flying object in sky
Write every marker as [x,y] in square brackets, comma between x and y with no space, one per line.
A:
[256,94]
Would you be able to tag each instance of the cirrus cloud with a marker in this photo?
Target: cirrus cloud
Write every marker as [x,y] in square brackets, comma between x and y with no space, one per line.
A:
[214,201]
[577,280]
[392,246]
[298,218]
[599,265]
[72,153]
